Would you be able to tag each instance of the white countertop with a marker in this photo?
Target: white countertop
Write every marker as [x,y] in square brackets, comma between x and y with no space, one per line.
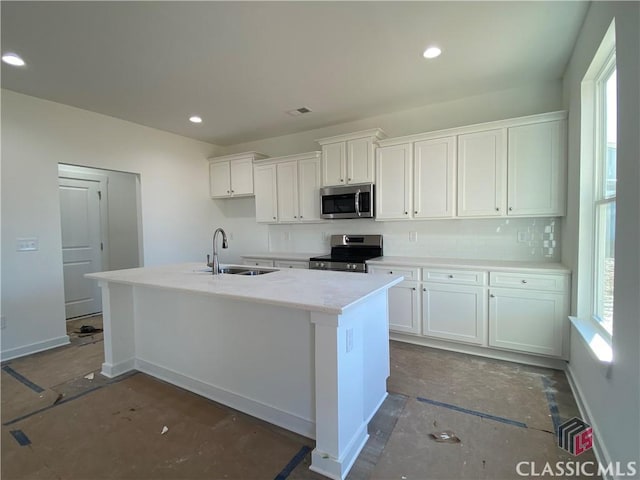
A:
[284,256]
[314,290]
[502,265]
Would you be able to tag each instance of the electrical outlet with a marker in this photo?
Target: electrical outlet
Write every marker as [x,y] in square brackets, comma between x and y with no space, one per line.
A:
[413,236]
[3,322]
[26,244]
[349,339]
[524,237]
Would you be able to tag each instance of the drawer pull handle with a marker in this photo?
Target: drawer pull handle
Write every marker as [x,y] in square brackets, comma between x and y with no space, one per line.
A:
[450,276]
[414,289]
[424,289]
[492,296]
[524,281]
[390,272]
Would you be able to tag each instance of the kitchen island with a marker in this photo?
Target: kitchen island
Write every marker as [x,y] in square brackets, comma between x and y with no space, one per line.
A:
[303,349]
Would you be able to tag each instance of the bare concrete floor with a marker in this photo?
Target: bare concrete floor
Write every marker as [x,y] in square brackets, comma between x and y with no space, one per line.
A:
[58,422]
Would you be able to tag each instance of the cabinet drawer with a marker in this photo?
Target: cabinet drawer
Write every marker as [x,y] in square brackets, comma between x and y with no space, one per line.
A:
[259,262]
[290,264]
[460,277]
[409,273]
[529,281]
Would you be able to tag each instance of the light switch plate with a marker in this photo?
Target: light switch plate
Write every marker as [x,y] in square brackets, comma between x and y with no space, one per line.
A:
[26,244]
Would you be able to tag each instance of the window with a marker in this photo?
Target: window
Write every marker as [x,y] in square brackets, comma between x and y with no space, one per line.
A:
[597,216]
[604,205]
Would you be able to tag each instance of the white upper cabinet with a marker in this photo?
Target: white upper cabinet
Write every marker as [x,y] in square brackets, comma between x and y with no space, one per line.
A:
[232,175]
[287,189]
[393,189]
[309,189]
[537,169]
[334,166]
[349,158]
[481,173]
[434,178]
[266,193]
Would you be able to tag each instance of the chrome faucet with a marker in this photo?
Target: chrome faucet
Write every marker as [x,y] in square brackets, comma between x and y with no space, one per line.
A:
[215,267]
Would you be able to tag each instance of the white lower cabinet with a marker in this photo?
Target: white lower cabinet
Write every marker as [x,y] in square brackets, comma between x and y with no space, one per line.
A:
[258,262]
[527,321]
[404,308]
[454,312]
[290,264]
[520,312]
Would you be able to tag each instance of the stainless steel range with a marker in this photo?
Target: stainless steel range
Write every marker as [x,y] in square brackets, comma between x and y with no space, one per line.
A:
[349,253]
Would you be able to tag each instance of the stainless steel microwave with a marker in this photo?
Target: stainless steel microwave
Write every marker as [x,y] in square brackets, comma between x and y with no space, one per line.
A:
[347,201]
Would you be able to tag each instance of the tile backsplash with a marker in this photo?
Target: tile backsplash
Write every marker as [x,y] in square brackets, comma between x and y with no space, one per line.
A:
[526,239]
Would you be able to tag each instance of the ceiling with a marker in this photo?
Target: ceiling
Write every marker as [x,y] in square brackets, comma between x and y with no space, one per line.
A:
[242,65]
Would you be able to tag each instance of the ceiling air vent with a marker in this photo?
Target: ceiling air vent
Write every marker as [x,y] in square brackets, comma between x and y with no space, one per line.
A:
[299,111]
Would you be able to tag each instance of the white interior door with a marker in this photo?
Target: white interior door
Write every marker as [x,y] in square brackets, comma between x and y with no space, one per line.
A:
[81,244]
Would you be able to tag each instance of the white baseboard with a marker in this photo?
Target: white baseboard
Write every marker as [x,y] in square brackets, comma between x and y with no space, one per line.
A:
[256,409]
[34,347]
[337,469]
[115,370]
[599,448]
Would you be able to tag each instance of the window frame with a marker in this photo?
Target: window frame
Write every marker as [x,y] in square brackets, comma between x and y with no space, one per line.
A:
[600,199]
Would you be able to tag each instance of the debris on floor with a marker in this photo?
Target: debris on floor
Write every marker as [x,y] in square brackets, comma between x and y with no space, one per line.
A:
[165,429]
[90,376]
[445,437]
[58,398]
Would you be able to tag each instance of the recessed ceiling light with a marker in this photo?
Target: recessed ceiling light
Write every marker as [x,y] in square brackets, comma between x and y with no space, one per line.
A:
[13,59]
[195,119]
[432,52]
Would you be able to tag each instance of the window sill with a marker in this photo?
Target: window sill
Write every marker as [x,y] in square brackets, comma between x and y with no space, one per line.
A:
[598,345]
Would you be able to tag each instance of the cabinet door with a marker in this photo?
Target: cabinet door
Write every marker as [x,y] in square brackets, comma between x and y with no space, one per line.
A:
[290,264]
[404,308]
[242,177]
[334,166]
[536,169]
[265,189]
[393,189]
[309,189]
[220,179]
[287,191]
[530,322]
[481,174]
[434,178]
[454,312]
[360,161]
[258,262]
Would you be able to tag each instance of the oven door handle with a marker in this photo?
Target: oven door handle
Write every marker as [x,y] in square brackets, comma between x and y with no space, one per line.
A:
[357,203]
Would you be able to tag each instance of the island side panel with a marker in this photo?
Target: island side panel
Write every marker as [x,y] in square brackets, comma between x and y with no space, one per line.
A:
[352,366]
[118,318]
[253,357]
[376,357]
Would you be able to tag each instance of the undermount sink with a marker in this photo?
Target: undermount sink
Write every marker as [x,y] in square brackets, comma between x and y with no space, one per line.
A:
[245,271]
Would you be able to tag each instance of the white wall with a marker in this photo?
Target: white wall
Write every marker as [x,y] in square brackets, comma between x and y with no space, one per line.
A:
[177,214]
[611,395]
[515,102]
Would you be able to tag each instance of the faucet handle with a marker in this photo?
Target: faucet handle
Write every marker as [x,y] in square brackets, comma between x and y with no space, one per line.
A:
[208,262]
